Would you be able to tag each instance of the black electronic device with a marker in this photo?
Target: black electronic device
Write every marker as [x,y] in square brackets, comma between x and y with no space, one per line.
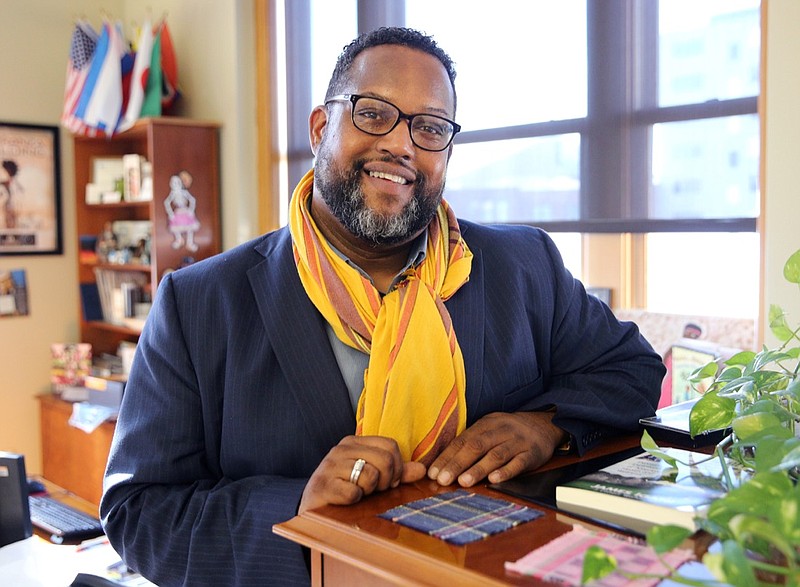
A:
[540,486]
[63,522]
[15,520]
[36,486]
[671,425]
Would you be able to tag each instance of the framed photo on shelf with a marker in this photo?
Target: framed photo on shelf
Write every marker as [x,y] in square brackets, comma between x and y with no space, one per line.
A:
[30,190]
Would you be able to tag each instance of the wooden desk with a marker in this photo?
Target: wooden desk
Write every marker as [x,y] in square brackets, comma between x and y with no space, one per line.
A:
[71,458]
[352,546]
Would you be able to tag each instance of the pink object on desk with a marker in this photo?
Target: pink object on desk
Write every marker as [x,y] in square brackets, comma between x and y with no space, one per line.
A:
[561,560]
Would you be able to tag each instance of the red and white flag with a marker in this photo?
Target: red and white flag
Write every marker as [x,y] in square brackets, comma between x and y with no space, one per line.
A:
[141,71]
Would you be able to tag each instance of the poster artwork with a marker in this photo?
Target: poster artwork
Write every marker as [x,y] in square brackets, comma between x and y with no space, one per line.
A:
[29,198]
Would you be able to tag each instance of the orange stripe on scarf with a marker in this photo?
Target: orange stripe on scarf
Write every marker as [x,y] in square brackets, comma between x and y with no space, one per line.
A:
[414,388]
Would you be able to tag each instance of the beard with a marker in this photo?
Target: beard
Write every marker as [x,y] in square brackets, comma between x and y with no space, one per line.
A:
[343,194]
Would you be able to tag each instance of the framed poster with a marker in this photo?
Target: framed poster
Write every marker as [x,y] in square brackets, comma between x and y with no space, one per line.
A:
[30,190]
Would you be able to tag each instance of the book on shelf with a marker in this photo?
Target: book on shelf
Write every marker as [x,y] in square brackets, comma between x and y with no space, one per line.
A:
[132,177]
[641,491]
[90,302]
[146,190]
[115,289]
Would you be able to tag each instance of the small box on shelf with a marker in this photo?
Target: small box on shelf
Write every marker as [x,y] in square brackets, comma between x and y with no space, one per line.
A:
[88,248]
[132,177]
[105,391]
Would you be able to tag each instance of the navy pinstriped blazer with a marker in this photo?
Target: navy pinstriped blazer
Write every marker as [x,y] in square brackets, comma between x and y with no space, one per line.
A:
[235,396]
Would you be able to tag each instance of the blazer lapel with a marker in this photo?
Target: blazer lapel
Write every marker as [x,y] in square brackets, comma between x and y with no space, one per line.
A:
[297,331]
[301,344]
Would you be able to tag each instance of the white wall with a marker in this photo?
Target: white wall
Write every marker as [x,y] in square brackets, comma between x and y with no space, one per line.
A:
[214,43]
[782,155]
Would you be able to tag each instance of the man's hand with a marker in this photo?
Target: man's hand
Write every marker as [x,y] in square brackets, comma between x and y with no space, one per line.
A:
[383,468]
[498,446]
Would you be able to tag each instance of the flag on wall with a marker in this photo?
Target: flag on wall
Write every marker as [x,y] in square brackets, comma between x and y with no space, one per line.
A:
[141,71]
[100,103]
[169,67]
[126,67]
[152,92]
[109,86]
[81,51]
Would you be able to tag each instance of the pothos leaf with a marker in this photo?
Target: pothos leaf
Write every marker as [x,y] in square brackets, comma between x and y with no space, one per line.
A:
[777,323]
[711,412]
[730,565]
[791,270]
[597,563]
[665,538]
[651,447]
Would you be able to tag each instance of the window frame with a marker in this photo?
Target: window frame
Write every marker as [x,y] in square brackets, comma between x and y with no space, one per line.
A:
[622,53]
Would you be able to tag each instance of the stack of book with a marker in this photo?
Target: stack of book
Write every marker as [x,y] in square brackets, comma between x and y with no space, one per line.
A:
[641,491]
[120,292]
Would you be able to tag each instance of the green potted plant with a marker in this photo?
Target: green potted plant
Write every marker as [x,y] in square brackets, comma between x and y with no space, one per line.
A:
[756,526]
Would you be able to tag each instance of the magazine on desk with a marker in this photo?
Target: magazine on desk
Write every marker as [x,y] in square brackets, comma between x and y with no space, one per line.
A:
[641,491]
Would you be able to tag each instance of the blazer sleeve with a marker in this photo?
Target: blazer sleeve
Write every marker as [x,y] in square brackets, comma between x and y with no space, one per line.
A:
[602,375]
[167,508]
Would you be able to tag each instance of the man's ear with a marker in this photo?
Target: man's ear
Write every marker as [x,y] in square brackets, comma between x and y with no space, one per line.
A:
[317,121]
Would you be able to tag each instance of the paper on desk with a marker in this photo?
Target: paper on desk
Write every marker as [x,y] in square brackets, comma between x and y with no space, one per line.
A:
[561,560]
[88,416]
[35,562]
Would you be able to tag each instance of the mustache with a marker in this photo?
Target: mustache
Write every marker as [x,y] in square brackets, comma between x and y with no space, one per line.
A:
[359,164]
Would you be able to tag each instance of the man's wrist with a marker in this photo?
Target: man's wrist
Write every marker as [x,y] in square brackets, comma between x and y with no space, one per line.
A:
[564,445]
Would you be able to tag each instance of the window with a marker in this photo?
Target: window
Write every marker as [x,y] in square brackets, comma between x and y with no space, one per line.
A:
[683,267]
[581,116]
[500,77]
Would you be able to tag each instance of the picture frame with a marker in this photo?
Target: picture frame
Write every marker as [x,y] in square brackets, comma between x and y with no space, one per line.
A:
[30,190]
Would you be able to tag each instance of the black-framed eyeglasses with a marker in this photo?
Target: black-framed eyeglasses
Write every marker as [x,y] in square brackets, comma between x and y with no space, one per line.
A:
[379,117]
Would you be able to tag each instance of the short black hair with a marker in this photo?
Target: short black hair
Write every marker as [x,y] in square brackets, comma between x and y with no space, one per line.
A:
[387,36]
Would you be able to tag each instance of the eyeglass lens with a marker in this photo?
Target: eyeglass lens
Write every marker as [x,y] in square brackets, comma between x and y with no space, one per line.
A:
[378,117]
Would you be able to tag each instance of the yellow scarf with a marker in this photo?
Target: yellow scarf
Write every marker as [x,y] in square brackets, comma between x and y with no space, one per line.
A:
[414,387]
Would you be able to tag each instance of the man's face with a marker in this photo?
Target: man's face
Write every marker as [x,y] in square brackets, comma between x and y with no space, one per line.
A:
[383,189]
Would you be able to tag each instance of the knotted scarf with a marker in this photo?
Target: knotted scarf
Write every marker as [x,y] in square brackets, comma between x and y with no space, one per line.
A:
[414,386]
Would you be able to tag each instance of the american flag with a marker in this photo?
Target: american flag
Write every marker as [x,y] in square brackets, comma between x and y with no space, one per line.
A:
[100,104]
[84,42]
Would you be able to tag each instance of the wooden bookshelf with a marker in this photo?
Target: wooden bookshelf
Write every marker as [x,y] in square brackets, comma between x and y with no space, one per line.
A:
[172,146]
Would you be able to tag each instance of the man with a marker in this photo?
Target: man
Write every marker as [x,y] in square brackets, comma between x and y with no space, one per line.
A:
[374,341]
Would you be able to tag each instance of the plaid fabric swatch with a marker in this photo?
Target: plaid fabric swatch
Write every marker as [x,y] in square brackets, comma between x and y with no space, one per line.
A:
[460,517]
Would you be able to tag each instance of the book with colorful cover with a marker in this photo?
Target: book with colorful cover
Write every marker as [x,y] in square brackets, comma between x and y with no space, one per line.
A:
[643,490]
